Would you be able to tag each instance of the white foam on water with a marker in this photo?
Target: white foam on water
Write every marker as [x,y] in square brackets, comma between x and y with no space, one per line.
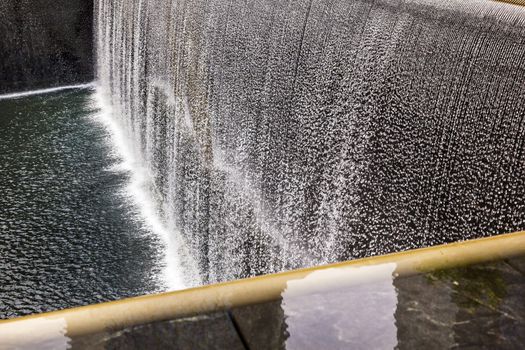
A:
[137,190]
[45,91]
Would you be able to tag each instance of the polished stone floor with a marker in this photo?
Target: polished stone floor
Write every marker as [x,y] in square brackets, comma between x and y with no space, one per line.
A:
[474,307]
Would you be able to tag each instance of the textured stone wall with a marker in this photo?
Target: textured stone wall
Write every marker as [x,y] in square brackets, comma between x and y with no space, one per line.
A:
[45,43]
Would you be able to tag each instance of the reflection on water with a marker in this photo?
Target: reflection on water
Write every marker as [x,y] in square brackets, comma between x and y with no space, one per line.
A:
[346,308]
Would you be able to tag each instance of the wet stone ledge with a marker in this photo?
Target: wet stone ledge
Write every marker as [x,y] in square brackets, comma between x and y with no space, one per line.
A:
[474,307]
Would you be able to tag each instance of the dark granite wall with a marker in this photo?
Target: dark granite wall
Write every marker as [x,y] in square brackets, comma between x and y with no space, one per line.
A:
[45,43]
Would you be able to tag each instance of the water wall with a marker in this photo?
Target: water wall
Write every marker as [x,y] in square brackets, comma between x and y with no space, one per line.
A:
[45,43]
[281,134]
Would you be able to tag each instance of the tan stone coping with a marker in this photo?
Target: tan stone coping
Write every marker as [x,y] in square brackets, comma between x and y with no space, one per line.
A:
[515,2]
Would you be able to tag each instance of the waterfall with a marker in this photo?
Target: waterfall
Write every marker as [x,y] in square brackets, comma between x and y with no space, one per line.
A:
[281,134]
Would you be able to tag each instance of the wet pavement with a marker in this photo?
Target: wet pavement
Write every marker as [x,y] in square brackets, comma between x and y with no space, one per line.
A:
[474,307]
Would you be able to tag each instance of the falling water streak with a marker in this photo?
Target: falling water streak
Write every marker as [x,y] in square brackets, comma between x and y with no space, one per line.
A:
[137,189]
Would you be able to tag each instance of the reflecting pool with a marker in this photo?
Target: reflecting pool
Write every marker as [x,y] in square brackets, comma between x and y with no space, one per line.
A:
[69,235]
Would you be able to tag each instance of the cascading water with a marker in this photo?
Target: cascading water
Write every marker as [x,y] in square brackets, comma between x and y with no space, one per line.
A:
[280,134]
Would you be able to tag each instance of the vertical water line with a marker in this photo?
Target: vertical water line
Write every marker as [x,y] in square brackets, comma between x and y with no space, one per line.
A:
[112,92]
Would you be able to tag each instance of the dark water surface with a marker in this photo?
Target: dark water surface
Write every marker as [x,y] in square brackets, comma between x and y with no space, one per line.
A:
[66,234]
